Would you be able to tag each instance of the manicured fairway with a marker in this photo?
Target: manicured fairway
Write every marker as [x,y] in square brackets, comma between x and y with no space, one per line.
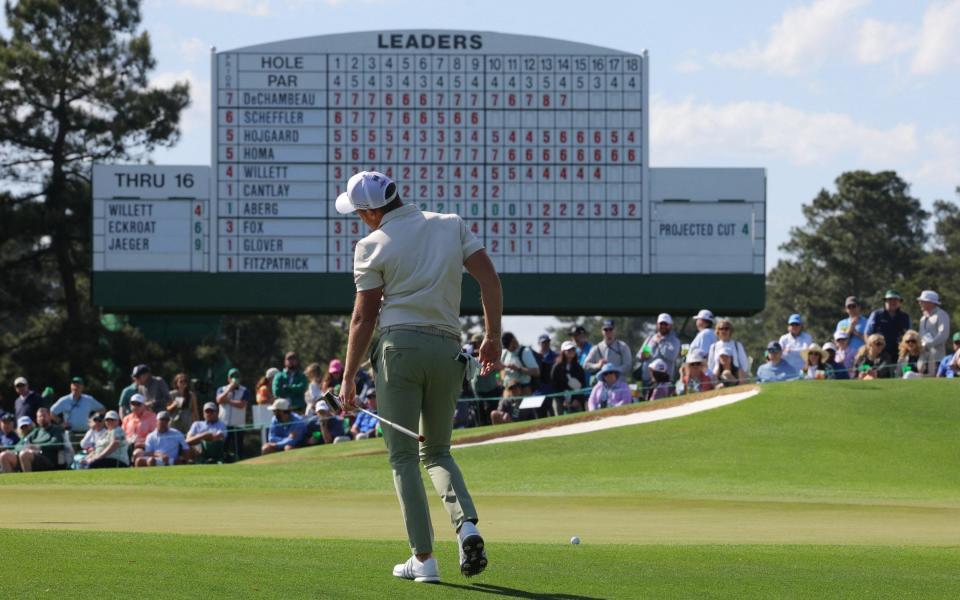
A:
[807,490]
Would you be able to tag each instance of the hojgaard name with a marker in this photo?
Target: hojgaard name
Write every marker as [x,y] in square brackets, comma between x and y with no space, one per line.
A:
[426,41]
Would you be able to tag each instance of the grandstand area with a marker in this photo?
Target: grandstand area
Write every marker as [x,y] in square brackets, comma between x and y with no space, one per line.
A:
[808,489]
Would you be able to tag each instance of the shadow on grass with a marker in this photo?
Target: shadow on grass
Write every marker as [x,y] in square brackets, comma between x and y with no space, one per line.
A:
[499,590]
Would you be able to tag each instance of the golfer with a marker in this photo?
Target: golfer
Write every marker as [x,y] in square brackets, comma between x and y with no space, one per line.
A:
[408,273]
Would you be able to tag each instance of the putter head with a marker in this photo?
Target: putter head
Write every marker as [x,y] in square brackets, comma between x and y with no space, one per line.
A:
[333,401]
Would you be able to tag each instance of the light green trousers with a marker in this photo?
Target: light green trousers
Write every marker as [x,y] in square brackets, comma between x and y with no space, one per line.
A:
[418,383]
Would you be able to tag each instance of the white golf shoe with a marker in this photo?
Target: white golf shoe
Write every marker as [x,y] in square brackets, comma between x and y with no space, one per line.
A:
[421,572]
[473,557]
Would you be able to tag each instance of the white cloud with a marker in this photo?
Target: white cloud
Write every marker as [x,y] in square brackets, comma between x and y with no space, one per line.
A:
[197,115]
[256,8]
[688,65]
[941,161]
[939,39]
[878,41]
[194,50]
[683,131]
[805,37]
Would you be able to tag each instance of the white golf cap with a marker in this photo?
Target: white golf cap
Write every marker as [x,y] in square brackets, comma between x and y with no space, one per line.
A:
[568,345]
[705,314]
[24,420]
[137,399]
[658,365]
[112,414]
[20,381]
[726,351]
[665,318]
[695,356]
[211,406]
[366,190]
[272,372]
[929,296]
[830,346]
[841,335]
[280,404]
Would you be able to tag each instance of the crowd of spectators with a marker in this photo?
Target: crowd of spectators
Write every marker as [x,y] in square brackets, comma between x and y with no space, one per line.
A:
[155,425]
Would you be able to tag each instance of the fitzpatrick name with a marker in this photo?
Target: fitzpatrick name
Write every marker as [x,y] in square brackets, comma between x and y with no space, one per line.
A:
[443,41]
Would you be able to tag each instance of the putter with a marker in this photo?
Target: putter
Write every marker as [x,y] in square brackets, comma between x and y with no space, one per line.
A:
[335,405]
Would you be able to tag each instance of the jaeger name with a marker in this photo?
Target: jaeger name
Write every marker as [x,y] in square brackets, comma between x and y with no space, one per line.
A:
[444,41]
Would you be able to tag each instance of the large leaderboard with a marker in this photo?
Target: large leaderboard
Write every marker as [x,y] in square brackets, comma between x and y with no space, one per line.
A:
[530,140]
[541,146]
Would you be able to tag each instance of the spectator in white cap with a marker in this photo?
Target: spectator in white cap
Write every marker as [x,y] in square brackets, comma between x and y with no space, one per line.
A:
[695,377]
[662,387]
[110,449]
[794,342]
[138,424]
[845,353]
[567,378]
[207,438]
[663,344]
[725,340]
[726,373]
[28,401]
[164,445]
[609,350]
[934,332]
[610,390]
[838,369]
[706,336]
[287,429]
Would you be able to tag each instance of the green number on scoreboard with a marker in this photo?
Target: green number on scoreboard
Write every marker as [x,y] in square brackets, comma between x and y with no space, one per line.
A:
[495,209]
[198,227]
[197,244]
[746,229]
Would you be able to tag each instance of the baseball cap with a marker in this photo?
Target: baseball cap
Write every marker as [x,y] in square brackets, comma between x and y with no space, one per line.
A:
[929,296]
[543,338]
[20,381]
[774,347]
[233,373]
[336,366]
[571,345]
[163,416]
[659,365]
[97,417]
[8,417]
[140,370]
[78,380]
[851,300]
[830,346]
[956,337]
[705,314]
[609,368]
[725,351]
[841,335]
[280,404]
[795,318]
[24,420]
[366,190]
[272,372]
[609,324]
[138,399]
[210,406]
[892,294]
[577,330]
[111,414]
[695,356]
[664,318]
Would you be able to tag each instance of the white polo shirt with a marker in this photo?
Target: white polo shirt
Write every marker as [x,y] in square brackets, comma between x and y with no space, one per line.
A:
[418,259]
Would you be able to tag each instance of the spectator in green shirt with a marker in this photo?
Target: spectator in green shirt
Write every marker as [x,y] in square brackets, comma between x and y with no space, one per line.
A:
[291,383]
[39,447]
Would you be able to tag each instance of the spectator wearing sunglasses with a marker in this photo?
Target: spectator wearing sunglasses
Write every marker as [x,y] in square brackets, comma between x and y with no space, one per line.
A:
[908,359]
[28,401]
[725,341]
[873,360]
[110,450]
[854,326]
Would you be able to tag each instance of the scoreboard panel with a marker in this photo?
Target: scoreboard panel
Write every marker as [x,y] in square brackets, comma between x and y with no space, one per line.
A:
[540,145]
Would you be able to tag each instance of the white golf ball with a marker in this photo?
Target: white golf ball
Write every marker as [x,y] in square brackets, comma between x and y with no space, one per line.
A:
[575,540]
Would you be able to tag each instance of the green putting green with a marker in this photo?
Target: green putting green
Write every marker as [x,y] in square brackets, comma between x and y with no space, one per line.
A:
[805,490]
